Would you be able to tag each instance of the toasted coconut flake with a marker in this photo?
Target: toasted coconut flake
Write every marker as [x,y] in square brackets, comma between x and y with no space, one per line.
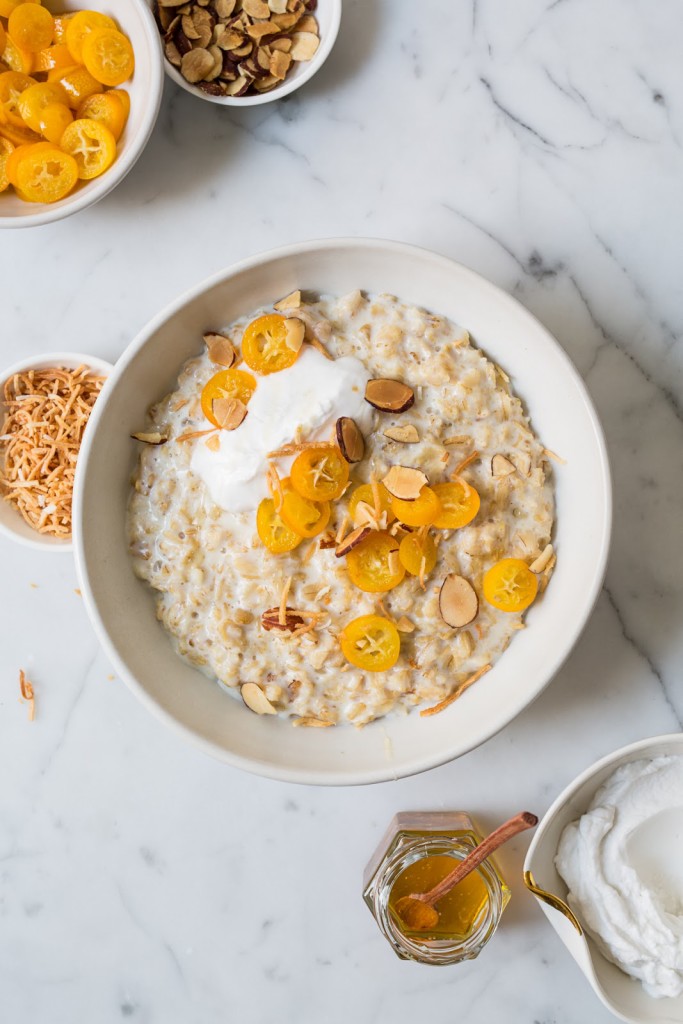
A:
[351,540]
[540,563]
[457,439]
[501,466]
[404,435]
[472,457]
[405,483]
[458,692]
[229,412]
[213,443]
[192,434]
[282,614]
[27,694]
[554,456]
[319,347]
[389,395]
[342,529]
[291,301]
[311,723]
[295,447]
[350,440]
[256,700]
[153,438]
[220,349]
[458,601]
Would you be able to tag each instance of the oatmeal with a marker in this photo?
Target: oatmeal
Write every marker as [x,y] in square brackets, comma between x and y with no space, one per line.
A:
[352,529]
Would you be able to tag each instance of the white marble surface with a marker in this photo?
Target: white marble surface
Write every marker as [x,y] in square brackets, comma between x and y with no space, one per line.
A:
[540,143]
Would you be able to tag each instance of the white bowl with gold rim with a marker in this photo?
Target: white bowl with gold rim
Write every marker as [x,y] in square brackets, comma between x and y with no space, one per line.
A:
[621,994]
[122,609]
[12,523]
[145,89]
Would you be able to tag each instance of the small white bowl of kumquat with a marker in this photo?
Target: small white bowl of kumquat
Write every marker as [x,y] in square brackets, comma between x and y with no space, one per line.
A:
[45,404]
[80,89]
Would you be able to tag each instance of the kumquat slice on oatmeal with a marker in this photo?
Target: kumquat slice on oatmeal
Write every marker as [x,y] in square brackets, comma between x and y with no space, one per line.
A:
[320,474]
[371,642]
[510,585]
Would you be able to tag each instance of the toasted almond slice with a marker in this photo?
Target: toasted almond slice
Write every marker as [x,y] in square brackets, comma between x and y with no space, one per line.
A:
[229,412]
[224,8]
[172,53]
[256,8]
[213,443]
[260,29]
[350,440]
[230,39]
[220,349]
[404,625]
[351,540]
[196,64]
[279,64]
[543,560]
[284,44]
[522,463]
[405,483]
[405,435]
[291,301]
[304,45]
[278,6]
[188,28]
[501,466]
[154,437]
[285,21]
[238,87]
[458,692]
[256,700]
[308,24]
[389,395]
[295,331]
[458,601]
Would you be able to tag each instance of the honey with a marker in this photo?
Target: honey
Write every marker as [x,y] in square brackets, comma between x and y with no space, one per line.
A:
[459,910]
[417,852]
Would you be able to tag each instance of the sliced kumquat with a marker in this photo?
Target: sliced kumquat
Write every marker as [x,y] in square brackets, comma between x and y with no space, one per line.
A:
[226,384]
[16,58]
[53,57]
[54,120]
[273,531]
[33,101]
[423,511]
[374,565]
[264,345]
[510,585]
[124,99]
[18,153]
[371,642]
[3,37]
[7,6]
[6,149]
[362,504]
[80,26]
[46,177]
[61,21]
[108,56]
[104,107]
[320,474]
[459,504]
[31,27]
[12,84]
[18,135]
[78,84]
[305,517]
[417,554]
[92,146]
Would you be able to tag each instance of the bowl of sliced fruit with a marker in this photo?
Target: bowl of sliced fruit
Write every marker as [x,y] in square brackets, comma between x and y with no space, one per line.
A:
[80,91]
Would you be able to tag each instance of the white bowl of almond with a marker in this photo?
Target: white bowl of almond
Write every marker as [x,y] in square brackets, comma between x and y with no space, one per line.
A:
[355,547]
[245,52]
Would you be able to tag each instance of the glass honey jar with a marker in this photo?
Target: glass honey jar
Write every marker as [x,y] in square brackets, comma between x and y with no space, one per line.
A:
[418,850]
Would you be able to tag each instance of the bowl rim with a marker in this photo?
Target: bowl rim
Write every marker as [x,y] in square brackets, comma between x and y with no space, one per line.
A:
[337,777]
[280,91]
[102,186]
[70,360]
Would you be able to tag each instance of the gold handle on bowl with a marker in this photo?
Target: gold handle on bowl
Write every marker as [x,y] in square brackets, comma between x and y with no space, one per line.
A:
[553,901]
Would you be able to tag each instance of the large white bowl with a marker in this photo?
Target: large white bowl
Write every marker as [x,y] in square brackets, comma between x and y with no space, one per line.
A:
[328,15]
[122,609]
[145,88]
[12,524]
[623,995]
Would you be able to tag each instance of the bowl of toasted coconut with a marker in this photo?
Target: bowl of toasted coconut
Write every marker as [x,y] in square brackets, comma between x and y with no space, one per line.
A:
[45,405]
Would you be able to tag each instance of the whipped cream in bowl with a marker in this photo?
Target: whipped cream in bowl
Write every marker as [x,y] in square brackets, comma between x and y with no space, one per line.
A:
[610,849]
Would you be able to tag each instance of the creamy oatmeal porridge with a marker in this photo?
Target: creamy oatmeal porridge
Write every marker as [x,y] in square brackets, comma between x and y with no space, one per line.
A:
[275,575]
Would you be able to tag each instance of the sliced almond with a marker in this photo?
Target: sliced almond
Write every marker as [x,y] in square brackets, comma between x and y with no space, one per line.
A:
[405,483]
[228,412]
[295,331]
[282,43]
[196,64]
[171,3]
[543,560]
[351,540]
[291,301]
[308,24]
[153,438]
[389,395]
[279,64]
[229,39]
[267,83]
[458,601]
[224,8]
[284,21]
[522,463]
[238,87]
[256,700]
[350,440]
[404,625]
[501,466]
[172,53]
[278,6]
[405,435]
[260,29]
[188,27]
[304,45]
[220,349]
[256,8]
[273,619]
[217,68]
[213,443]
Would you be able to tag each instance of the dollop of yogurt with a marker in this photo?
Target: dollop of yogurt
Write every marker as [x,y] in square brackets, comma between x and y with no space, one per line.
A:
[623,864]
[305,400]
